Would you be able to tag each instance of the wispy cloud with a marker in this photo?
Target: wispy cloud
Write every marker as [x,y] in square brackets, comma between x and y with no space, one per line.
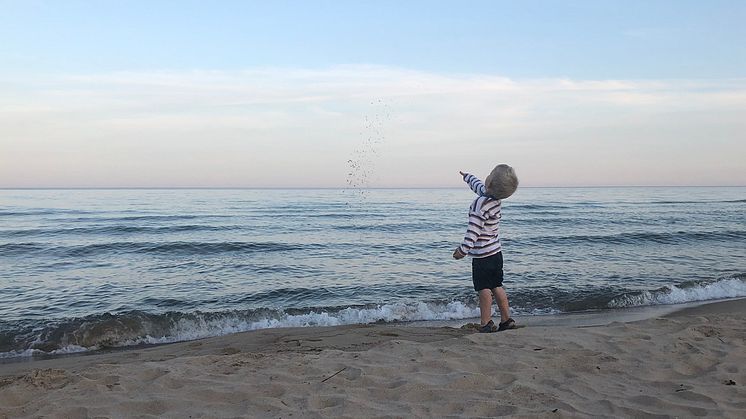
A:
[220,128]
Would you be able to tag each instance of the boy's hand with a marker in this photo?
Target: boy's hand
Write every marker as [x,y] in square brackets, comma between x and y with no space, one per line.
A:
[458,254]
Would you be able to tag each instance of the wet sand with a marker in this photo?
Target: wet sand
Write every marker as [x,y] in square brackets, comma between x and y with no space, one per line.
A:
[688,363]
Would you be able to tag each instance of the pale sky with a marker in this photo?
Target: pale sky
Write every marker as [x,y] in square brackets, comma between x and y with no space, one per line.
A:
[371,93]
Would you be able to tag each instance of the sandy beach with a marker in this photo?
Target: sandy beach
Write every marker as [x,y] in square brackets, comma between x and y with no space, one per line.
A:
[689,363]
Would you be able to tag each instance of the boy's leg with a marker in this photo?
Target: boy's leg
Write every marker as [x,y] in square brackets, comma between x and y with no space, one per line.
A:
[502,303]
[485,306]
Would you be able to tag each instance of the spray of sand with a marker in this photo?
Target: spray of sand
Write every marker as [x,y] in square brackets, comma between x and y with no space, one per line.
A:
[361,165]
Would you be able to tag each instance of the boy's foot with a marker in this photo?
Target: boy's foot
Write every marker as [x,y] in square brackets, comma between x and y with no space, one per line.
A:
[506,325]
[488,328]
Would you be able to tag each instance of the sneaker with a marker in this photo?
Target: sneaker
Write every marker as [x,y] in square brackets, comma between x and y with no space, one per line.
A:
[488,328]
[507,325]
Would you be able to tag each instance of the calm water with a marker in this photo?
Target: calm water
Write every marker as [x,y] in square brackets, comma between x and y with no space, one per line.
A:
[82,269]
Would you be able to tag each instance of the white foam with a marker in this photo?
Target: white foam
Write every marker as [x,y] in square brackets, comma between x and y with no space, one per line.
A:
[200,327]
[726,288]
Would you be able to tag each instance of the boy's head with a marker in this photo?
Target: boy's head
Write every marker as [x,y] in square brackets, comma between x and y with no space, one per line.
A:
[502,182]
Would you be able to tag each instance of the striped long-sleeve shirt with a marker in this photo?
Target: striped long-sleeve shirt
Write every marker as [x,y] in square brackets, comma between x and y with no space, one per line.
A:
[482,237]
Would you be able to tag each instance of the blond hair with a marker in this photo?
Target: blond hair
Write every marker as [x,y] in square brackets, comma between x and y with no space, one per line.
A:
[502,182]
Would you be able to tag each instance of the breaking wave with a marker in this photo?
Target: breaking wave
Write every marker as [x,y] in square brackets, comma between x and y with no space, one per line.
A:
[684,293]
[141,328]
[137,327]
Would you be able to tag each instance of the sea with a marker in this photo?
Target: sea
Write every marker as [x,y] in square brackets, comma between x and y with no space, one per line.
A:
[88,269]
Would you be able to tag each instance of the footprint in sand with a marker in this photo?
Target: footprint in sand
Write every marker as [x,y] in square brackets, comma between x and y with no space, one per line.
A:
[47,378]
[153,374]
[326,402]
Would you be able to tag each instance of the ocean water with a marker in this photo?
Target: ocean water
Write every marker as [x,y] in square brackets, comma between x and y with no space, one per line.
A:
[89,269]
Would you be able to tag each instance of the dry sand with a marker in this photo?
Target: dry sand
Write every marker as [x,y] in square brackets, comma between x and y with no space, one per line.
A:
[688,364]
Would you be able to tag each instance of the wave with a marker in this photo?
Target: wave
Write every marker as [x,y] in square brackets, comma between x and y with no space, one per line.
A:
[20,249]
[204,248]
[528,219]
[42,211]
[116,230]
[194,248]
[136,327]
[638,238]
[545,207]
[683,293]
[730,201]
[387,227]
[594,297]
[26,338]
[161,217]
[154,248]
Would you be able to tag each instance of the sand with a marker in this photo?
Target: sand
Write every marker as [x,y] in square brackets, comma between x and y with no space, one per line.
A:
[691,363]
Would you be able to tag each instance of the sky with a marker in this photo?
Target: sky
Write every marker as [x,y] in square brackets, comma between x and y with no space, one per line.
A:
[371,93]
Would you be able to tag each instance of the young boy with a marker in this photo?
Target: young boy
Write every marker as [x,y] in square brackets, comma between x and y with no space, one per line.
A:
[482,243]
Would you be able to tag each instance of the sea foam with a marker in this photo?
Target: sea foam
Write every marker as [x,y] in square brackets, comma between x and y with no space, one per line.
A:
[672,294]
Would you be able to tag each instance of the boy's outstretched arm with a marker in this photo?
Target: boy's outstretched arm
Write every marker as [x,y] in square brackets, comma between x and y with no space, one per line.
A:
[475,184]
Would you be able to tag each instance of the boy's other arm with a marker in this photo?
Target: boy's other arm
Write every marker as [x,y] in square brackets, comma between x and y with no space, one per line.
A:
[474,183]
[476,223]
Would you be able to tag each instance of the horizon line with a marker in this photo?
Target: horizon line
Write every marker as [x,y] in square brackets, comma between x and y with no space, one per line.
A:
[338,187]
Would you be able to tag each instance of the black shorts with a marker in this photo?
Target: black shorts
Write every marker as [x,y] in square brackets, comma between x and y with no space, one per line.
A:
[487,273]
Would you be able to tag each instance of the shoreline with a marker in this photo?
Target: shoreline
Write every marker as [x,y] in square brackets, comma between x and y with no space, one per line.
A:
[590,318]
[679,363]
[572,319]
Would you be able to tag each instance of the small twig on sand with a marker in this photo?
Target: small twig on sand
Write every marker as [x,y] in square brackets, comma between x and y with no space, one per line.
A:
[324,380]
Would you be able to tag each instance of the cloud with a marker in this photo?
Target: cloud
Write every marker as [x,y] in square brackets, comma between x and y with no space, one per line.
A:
[299,127]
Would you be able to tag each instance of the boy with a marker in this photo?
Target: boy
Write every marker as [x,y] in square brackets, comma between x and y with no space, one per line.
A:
[482,243]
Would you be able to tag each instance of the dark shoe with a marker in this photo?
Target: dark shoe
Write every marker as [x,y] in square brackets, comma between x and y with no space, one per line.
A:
[507,325]
[488,328]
